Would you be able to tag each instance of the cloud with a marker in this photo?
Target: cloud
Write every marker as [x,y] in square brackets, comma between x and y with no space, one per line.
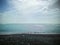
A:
[31,11]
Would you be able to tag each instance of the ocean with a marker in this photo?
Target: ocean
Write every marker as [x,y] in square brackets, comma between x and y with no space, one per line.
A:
[29,28]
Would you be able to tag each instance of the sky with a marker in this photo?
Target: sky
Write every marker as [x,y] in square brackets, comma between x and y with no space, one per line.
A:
[29,11]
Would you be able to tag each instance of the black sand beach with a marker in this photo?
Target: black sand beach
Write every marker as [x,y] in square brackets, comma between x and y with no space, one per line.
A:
[30,39]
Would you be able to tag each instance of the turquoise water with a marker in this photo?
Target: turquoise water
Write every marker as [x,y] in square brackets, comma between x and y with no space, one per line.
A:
[29,28]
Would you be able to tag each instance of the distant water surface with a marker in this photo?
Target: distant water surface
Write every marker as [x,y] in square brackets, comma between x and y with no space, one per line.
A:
[29,28]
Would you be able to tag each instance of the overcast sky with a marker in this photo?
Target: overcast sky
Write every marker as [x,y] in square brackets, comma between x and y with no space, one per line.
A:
[29,11]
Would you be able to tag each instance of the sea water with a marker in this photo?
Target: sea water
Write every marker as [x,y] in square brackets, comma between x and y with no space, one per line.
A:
[29,28]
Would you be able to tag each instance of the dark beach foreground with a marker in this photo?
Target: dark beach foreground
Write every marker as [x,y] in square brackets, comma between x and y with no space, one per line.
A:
[30,39]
